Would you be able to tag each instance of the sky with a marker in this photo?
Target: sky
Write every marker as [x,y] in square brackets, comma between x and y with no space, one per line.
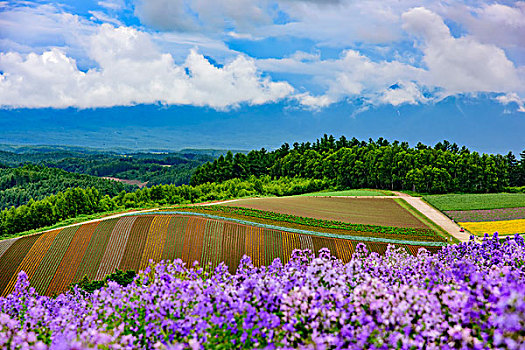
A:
[256,73]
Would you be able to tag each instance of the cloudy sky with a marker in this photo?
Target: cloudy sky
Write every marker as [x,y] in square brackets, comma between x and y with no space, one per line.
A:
[307,56]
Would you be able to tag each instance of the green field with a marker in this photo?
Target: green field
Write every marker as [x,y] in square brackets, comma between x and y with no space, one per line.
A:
[350,193]
[476,201]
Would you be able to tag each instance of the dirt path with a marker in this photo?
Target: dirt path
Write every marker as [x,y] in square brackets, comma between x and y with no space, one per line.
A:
[435,215]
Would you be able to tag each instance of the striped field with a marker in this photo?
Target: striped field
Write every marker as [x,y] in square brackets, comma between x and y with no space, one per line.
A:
[55,259]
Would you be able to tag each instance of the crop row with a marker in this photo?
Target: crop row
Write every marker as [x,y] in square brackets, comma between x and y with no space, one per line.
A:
[348,228]
[56,259]
[115,247]
[54,255]
[69,264]
[155,240]
[12,258]
[136,243]
[487,214]
[5,244]
[33,258]
[506,227]
[97,246]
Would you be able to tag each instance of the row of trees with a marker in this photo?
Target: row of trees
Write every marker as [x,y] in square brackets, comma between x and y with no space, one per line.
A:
[78,201]
[375,164]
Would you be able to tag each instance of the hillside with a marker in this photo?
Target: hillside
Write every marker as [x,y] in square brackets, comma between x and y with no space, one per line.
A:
[152,167]
[55,259]
[391,301]
[19,185]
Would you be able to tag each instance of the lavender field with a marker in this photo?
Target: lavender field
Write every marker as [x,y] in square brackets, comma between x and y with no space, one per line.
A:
[481,215]
[470,295]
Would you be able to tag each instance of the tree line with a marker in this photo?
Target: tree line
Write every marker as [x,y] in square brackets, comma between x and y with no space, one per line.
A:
[376,164]
[86,201]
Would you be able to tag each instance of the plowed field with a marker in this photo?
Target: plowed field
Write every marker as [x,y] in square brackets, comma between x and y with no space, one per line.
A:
[368,211]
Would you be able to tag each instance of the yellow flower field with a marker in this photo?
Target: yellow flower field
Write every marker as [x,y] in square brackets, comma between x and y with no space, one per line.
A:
[505,227]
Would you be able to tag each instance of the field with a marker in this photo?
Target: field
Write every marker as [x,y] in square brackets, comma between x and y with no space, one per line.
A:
[484,213]
[504,227]
[349,193]
[55,259]
[447,202]
[368,211]
[467,296]
[255,216]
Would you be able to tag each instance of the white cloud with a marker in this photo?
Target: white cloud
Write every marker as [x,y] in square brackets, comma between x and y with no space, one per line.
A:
[405,92]
[350,76]
[202,15]
[494,23]
[128,66]
[103,17]
[463,64]
[512,98]
[112,4]
[131,70]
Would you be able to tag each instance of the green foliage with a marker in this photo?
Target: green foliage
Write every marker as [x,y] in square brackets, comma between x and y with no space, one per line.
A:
[154,168]
[375,164]
[476,201]
[19,185]
[121,277]
[515,189]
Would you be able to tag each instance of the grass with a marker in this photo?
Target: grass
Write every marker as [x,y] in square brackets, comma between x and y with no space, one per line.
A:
[355,192]
[476,201]
[426,220]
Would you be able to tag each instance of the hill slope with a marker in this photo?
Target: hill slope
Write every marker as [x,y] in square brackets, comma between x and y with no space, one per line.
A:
[55,259]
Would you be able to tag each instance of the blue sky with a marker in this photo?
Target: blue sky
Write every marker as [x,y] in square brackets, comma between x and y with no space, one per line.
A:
[315,65]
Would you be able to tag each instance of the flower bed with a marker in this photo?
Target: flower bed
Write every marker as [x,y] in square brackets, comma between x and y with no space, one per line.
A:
[487,214]
[469,295]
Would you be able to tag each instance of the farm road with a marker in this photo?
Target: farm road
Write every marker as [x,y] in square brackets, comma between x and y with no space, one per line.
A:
[435,215]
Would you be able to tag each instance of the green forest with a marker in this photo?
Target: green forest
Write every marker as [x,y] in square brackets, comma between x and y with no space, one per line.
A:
[19,185]
[154,168]
[376,164]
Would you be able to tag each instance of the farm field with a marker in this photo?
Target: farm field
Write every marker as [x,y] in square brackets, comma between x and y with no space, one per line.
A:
[368,211]
[55,259]
[448,202]
[350,193]
[255,216]
[484,213]
[504,227]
